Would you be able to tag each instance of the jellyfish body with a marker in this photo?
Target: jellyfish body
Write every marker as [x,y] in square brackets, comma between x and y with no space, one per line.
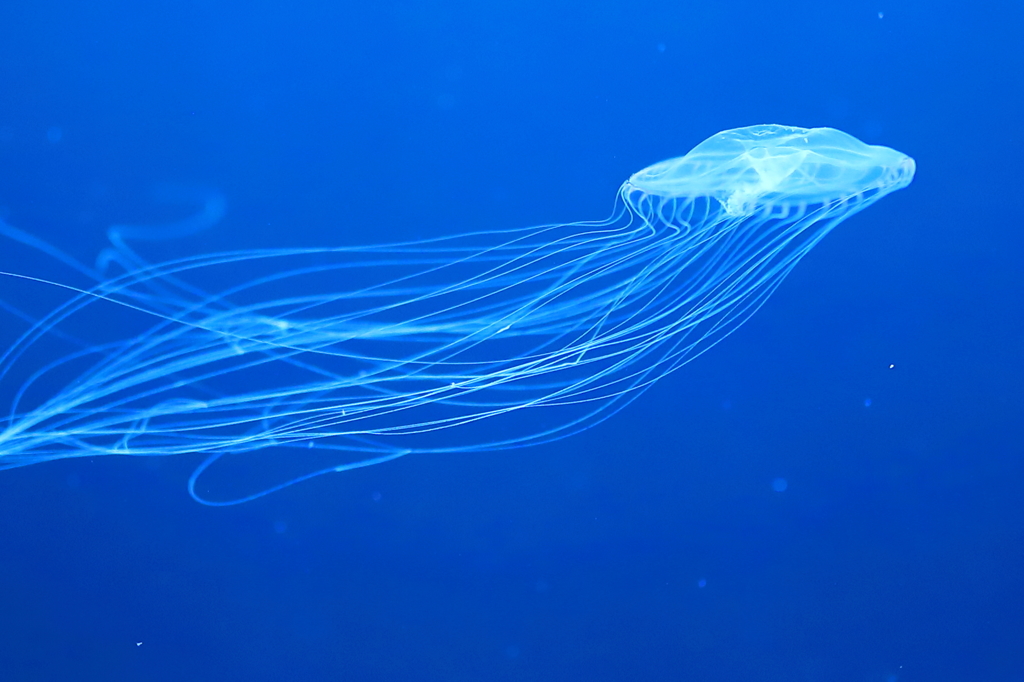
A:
[376,352]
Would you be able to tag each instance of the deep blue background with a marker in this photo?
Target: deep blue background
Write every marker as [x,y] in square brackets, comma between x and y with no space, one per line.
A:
[897,550]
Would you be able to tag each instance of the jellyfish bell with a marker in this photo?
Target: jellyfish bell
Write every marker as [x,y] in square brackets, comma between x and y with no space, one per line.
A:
[770,164]
[474,342]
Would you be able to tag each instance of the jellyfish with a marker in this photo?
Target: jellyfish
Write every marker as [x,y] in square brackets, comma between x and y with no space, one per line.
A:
[483,341]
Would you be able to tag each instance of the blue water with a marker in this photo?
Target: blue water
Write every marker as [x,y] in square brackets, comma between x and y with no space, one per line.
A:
[833,493]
